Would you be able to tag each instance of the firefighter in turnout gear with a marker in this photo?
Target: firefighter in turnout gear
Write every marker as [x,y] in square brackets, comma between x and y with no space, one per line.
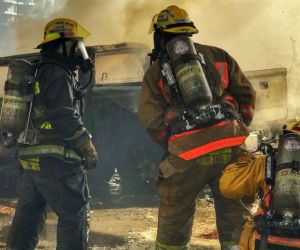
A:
[56,148]
[197,103]
[276,223]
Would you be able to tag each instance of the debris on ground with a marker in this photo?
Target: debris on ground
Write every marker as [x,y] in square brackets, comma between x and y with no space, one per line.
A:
[212,235]
[7,210]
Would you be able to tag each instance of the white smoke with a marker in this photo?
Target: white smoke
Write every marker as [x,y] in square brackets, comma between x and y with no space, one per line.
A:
[259,34]
[44,9]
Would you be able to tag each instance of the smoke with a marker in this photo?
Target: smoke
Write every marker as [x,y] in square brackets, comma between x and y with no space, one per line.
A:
[258,34]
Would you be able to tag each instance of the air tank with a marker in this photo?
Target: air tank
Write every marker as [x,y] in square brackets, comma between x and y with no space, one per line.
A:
[17,96]
[287,177]
[189,73]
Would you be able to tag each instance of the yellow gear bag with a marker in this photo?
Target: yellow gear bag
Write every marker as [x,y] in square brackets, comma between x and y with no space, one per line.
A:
[244,177]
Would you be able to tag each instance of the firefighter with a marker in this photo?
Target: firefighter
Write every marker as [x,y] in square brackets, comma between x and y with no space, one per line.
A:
[58,148]
[200,139]
[246,179]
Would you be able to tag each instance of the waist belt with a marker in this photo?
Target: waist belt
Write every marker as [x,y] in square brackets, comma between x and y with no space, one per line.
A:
[209,116]
[49,150]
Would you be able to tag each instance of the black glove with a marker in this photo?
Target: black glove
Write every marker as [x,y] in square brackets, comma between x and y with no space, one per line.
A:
[87,65]
[88,152]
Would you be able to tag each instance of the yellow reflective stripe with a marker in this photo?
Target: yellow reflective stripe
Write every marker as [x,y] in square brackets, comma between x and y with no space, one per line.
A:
[221,156]
[52,36]
[37,90]
[46,125]
[50,150]
[32,163]
[160,246]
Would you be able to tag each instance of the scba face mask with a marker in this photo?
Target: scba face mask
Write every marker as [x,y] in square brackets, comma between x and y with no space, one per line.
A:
[82,58]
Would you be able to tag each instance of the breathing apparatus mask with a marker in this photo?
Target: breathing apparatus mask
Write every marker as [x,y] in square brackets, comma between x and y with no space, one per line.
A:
[75,50]
[84,62]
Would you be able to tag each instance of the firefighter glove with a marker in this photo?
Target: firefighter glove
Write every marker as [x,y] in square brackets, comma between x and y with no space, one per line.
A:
[89,154]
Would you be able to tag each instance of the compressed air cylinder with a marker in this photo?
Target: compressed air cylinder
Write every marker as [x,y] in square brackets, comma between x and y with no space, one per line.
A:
[16,101]
[287,177]
[189,73]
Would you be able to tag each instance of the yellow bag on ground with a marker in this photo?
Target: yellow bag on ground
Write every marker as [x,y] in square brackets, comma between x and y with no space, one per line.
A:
[243,178]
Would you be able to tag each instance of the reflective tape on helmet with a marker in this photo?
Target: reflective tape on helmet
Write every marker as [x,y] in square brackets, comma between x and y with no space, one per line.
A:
[57,151]
[212,146]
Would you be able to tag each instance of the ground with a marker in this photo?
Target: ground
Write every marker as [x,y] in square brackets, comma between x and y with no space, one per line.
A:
[132,228]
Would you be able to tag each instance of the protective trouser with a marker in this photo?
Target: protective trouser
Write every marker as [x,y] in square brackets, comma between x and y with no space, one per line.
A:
[178,193]
[64,187]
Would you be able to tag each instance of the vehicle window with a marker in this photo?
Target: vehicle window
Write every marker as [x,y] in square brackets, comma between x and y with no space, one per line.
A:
[118,68]
[3,76]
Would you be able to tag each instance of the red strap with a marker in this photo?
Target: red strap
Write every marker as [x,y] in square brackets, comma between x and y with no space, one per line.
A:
[162,90]
[292,242]
[267,199]
[220,124]
[283,241]
[222,68]
[228,99]
[247,110]
[210,147]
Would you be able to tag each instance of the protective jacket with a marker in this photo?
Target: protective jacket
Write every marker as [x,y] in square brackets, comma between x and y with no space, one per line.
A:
[161,115]
[55,115]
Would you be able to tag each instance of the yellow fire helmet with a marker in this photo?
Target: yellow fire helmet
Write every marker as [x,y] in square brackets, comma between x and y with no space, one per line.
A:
[173,20]
[293,127]
[63,28]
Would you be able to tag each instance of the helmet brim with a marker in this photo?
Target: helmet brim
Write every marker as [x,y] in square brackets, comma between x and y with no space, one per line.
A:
[181,30]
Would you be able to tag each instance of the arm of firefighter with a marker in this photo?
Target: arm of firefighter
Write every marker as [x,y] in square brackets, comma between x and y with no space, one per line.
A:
[241,90]
[82,143]
[243,178]
[57,88]
[152,112]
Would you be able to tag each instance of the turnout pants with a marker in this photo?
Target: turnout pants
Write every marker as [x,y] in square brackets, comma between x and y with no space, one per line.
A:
[178,194]
[64,187]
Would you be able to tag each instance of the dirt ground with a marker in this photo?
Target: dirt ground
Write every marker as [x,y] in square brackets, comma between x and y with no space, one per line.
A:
[132,228]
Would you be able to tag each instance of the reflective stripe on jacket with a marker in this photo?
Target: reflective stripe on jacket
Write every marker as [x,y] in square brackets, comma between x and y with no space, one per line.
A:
[55,114]
[198,142]
[50,150]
